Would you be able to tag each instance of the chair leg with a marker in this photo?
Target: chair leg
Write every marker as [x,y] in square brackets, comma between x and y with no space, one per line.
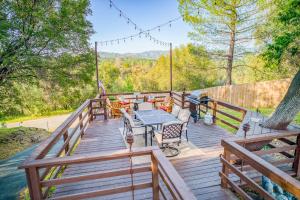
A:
[124,129]
[187,139]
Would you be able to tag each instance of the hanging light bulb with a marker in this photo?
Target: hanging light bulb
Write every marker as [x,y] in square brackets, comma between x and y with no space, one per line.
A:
[127,20]
[120,13]
[135,27]
[170,24]
[131,37]
[110,3]
[140,34]
[159,29]
[124,40]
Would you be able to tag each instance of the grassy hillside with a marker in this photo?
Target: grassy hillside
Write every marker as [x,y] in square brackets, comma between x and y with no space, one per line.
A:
[13,140]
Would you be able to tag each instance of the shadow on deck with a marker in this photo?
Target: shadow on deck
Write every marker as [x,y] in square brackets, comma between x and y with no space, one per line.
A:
[199,168]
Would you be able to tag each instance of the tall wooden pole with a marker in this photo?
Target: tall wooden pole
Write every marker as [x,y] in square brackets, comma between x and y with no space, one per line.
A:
[97,72]
[171,68]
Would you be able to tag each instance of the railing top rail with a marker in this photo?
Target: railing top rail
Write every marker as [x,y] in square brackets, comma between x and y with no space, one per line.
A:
[131,93]
[278,176]
[228,105]
[89,157]
[268,136]
[47,144]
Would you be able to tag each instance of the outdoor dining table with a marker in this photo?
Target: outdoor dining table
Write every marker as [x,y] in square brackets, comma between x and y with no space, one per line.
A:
[152,118]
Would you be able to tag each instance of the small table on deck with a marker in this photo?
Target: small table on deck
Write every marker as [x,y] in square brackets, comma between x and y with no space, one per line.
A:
[153,117]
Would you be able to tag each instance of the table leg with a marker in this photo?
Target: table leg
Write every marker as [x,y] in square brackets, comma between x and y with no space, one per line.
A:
[146,136]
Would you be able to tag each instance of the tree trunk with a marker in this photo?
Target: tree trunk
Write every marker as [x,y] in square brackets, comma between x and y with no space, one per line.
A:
[230,58]
[288,107]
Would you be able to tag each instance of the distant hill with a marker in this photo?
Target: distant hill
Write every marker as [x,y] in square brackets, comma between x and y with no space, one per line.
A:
[145,54]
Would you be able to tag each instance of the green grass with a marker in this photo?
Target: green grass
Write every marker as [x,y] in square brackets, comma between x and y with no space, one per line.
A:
[11,119]
[13,140]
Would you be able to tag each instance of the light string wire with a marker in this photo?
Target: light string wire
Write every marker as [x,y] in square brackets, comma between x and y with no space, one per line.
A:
[141,32]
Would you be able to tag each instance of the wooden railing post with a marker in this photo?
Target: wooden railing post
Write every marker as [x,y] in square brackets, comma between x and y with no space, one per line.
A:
[183,99]
[155,181]
[104,107]
[81,124]
[34,186]
[296,162]
[225,171]
[214,109]
[65,138]
[91,117]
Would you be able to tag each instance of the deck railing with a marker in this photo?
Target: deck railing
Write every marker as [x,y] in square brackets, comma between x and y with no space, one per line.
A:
[45,166]
[222,112]
[62,142]
[165,182]
[245,162]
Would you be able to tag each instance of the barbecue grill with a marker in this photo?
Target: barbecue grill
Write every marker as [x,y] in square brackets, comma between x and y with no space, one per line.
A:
[197,98]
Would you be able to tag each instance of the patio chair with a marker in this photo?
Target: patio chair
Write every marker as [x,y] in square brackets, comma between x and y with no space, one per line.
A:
[131,125]
[169,135]
[184,116]
[175,110]
[167,104]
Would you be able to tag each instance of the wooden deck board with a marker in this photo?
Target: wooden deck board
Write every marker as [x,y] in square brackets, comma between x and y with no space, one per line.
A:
[200,171]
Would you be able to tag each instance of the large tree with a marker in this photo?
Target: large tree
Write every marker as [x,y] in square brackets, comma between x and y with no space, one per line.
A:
[224,27]
[283,50]
[31,30]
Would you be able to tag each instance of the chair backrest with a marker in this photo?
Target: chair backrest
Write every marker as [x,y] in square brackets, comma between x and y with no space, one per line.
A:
[184,115]
[108,102]
[145,106]
[172,130]
[116,104]
[129,123]
[175,110]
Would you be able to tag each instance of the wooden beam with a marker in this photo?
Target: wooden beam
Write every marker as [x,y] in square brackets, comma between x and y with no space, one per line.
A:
[248,180]
[155,181]
[85,195]
[92,176]
[276,175]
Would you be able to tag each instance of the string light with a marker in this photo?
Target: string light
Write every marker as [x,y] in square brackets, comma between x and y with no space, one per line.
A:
[146,33]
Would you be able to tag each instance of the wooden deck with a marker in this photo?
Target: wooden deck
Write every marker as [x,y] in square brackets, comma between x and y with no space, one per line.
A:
[199,169]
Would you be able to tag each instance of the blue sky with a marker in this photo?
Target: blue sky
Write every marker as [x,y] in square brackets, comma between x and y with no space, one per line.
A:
[146,14]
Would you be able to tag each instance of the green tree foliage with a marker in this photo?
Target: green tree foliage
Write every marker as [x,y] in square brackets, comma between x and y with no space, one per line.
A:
[224,27]
[191,70]
[44,55]
[67,81]
[283,44]
[283,50]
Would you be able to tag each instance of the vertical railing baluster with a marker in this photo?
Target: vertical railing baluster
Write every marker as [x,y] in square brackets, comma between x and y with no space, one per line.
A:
[104,107]
[214,109]
[34,185]
[225,171]
[81,125]
[155,181]
[182,100]
[91,111]
[65,138]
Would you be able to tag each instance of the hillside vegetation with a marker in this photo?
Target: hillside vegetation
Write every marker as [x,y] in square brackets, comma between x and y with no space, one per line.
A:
[13,140]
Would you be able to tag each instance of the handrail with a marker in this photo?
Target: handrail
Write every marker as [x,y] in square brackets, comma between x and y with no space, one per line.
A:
[131,93]
[160,167]
[234,150]
[47,144]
